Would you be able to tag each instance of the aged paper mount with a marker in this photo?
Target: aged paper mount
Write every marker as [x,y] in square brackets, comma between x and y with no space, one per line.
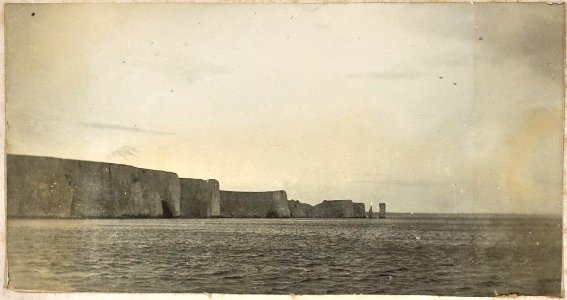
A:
[10,294]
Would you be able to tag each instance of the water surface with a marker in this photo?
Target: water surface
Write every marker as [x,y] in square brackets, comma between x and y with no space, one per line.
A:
[458,255]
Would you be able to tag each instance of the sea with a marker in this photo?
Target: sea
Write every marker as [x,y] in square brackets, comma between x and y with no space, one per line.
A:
[456,255]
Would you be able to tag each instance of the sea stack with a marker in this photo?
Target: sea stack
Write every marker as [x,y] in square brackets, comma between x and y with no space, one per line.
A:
[382,213]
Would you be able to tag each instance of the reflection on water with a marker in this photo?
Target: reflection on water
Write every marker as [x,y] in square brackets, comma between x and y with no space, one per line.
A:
[480,256]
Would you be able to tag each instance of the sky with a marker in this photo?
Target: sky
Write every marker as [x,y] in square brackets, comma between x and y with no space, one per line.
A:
[443,108]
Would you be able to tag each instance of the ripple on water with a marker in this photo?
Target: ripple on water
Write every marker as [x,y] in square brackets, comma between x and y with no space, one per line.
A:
[453,256]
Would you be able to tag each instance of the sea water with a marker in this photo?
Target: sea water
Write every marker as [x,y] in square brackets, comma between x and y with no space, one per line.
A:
[426,255]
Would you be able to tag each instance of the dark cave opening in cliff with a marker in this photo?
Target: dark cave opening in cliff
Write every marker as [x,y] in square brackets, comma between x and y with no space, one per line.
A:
[166,211]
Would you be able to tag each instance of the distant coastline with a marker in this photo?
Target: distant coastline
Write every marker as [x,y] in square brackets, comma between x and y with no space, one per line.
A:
[48,187]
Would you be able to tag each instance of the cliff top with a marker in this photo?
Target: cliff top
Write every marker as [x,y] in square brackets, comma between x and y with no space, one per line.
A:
[86,161]
[257,192]
[196,179]
[338,201]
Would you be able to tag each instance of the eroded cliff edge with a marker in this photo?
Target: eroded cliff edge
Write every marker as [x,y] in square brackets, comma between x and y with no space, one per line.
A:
[45,187]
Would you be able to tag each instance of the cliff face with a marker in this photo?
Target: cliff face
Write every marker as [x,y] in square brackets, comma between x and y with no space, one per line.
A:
[63,188]
[38,187]
[44,187]
[254,204]
[199,198]
[299,210]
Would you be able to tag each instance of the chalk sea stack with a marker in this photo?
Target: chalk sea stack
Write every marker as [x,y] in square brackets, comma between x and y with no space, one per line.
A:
[382,212]
[370,213]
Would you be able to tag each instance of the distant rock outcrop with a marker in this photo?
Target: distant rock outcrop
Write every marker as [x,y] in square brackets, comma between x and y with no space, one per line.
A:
[199,198]
[299,210]
[333,209]
[45,187]
[254,204]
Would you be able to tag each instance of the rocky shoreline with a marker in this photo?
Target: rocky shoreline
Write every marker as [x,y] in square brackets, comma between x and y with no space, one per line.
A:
[46,187]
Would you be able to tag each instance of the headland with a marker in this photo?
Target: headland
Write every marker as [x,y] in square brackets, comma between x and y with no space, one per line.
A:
[47,187]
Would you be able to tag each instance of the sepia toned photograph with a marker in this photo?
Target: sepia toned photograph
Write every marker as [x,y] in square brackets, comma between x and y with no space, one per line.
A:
[285,149]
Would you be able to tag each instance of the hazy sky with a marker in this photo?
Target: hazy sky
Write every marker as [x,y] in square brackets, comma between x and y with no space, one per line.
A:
[428,107]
